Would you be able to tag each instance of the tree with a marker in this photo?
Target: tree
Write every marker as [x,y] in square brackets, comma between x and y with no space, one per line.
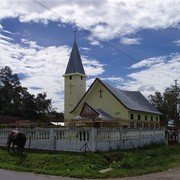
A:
[10,96]
[15,100]
[29,105]
[166,102]
[43,104]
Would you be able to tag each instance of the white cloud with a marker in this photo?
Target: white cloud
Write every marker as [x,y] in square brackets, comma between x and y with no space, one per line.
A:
[113,79]
[43,67]
[1,27]
[31,44]
[5,37]
[106,19]
[156,76]
[85,48]
[130,41]
[177,42]
[149,62]
[93,41]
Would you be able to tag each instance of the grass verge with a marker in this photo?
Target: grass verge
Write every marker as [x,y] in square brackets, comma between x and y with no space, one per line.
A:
[123,162]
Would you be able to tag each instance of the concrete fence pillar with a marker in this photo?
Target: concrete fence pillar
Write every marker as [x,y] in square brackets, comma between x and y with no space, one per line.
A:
[154,135]
[52,137]
[94,139]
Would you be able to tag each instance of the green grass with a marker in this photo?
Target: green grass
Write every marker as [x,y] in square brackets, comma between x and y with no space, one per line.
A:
[123,162]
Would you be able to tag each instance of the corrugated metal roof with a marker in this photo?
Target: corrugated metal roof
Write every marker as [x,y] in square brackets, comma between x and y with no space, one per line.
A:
[103,114]
[133,100]
[75,64]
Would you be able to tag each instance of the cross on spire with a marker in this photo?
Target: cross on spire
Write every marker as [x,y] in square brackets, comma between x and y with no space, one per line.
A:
[100,93]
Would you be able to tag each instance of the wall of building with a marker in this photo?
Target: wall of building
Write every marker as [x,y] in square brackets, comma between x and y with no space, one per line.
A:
[142,115]
[88,139]
[75,88]
[152,119]
[107,103]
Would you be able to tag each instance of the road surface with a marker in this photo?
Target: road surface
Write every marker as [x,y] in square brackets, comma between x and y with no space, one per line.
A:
[12,175]
[171,174]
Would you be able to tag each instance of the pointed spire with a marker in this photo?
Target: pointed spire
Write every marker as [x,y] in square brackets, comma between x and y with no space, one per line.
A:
[75,30]
[75,64]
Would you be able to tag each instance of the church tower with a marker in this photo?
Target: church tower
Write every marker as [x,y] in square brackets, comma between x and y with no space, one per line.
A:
[74,82]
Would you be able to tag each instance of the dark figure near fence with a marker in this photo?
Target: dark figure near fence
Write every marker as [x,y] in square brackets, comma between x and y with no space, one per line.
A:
[16,138]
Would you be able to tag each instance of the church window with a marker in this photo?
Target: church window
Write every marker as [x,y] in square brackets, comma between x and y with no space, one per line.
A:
[146,118]
[81,78]
[139,117]
[100,93]
[70,77]
[151,118]
[132,116]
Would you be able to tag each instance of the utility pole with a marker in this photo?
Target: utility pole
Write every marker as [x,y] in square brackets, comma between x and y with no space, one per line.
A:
[177,100]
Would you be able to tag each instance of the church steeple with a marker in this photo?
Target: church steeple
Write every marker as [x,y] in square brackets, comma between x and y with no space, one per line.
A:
[75,64]
[74,82]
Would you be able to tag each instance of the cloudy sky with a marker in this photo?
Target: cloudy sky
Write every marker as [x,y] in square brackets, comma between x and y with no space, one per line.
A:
[133,44]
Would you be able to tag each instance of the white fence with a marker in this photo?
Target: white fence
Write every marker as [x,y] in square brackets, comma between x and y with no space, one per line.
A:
[87,139]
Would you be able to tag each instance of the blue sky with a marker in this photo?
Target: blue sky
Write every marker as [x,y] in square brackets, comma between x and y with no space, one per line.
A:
[133,45]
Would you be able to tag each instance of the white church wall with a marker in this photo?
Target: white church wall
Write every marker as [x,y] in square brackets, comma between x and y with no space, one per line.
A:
[107,102]
[88,139]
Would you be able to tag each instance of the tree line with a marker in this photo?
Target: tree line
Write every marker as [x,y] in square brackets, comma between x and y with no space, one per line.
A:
[167,102]
[15,100]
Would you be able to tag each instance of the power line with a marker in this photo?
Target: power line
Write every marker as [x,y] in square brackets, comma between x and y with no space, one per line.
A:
[86,31]
[47,8]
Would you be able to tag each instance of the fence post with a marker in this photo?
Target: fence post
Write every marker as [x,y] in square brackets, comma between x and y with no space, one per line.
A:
[94,138]
[30,141]
[154,136]
[139,137]
[52,139]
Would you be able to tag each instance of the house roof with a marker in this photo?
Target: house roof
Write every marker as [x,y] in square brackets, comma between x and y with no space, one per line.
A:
[103,114]
[75,63]
[10,119]
[132,100]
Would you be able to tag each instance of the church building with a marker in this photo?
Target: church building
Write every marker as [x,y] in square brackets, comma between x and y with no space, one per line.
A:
[102,104]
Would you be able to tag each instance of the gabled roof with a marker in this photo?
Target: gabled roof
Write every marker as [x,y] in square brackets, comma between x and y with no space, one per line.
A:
[103,114]
[75,64]
[99,113]
[133,100]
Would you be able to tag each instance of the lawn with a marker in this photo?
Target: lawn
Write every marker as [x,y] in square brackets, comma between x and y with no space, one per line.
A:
[123,162]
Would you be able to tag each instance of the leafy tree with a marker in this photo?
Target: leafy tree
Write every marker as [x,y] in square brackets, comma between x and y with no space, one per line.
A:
[166,102]
[43,104]
[29,105]
[10,96]
[15,100]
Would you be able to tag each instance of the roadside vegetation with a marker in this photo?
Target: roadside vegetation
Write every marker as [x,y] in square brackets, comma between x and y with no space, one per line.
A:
[122,163]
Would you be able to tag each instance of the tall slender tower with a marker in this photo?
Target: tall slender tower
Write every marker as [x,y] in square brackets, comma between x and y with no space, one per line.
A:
[74,82]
